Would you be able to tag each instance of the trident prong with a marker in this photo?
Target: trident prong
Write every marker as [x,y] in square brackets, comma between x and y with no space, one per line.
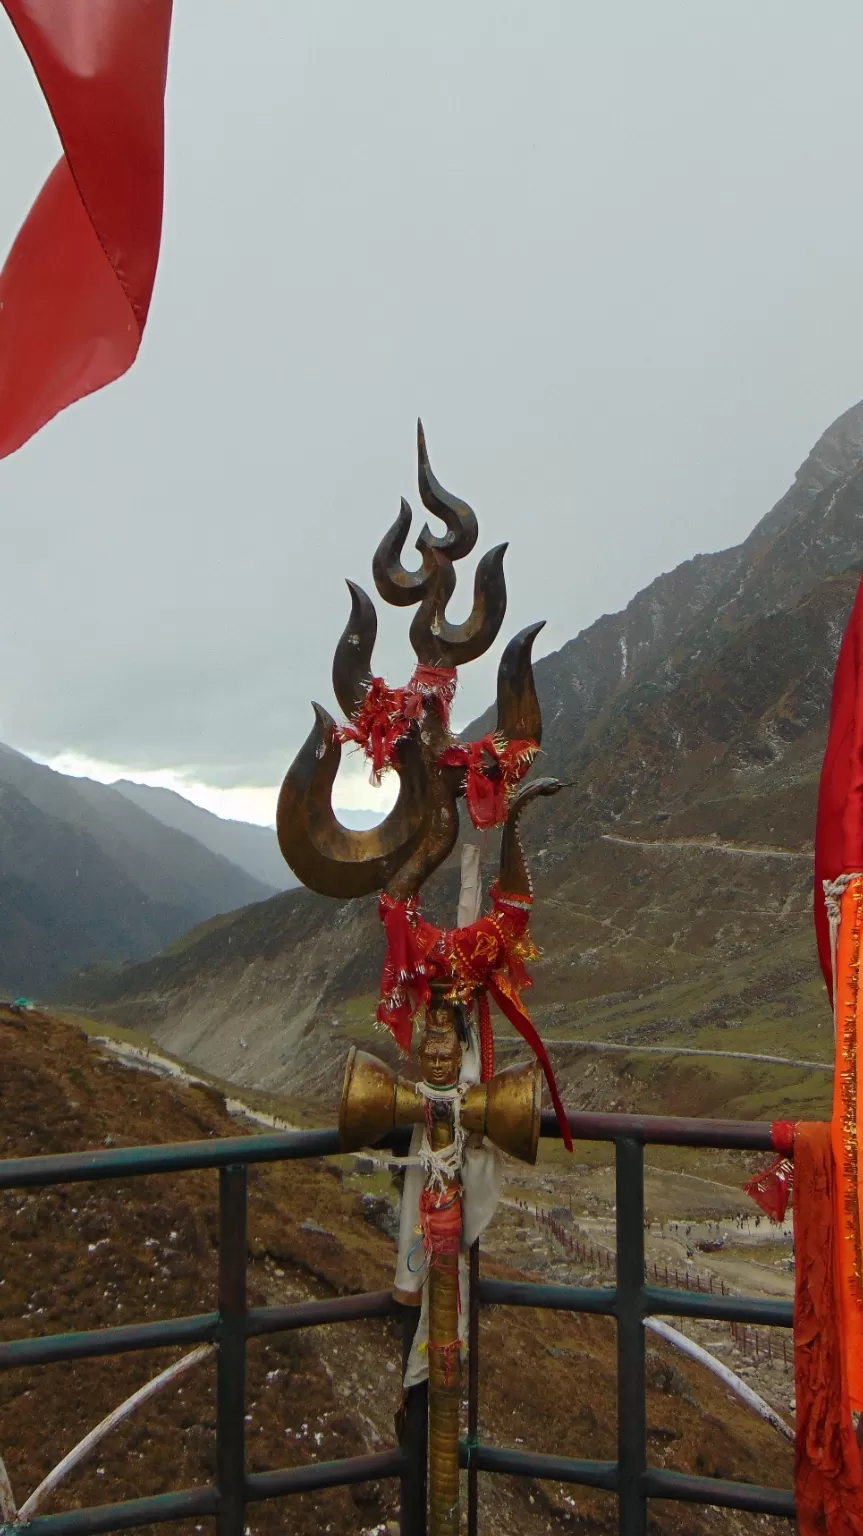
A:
[352,663]
[328,857]
[396,585]
[460,519]
[519,717]
[436,642]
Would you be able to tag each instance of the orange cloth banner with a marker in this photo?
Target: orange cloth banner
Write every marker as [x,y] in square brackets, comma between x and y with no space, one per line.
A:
[845,1135]
[829,1478]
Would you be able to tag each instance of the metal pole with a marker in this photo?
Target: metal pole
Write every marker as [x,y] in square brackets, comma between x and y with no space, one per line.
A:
[413,1434]
[444,1377]
[631,1407]
[440,1062]
[231,1374]
[473,1392]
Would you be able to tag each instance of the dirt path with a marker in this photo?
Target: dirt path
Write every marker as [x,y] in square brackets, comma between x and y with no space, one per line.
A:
[686,843]
[674,1050]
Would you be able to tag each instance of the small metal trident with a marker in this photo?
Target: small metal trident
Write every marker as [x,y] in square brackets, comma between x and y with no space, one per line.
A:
[396,858]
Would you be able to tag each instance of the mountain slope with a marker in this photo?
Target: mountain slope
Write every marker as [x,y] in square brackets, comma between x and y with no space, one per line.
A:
[87,876]
[254,849]
[812,532]
[63,903]
[673,877]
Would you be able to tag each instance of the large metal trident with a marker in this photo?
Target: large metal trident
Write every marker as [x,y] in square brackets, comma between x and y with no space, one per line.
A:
[396,858]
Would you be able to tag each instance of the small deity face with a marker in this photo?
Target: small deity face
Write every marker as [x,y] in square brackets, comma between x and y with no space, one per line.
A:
[440,1057]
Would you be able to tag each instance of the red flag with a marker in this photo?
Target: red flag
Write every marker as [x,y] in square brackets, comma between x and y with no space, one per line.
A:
[839,826]
[839,929]
[76,286]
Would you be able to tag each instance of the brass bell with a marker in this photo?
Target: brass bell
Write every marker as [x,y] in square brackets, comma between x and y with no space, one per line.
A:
[375,1101]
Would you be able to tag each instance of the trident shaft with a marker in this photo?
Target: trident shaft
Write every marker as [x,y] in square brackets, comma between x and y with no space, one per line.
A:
[397,858]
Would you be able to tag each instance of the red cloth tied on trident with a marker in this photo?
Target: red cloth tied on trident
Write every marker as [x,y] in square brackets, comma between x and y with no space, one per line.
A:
[76,286]
[494,767]
[485,958]
[386,714]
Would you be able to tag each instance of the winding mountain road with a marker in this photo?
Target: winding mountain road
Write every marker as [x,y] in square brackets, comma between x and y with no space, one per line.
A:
[689,844]
[675,1050]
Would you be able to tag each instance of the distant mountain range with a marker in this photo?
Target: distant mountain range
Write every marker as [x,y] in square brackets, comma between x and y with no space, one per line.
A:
[87,875]
[254,849]
[673,879]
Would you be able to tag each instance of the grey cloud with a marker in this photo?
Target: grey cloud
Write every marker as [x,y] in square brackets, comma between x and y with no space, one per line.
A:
[610,253]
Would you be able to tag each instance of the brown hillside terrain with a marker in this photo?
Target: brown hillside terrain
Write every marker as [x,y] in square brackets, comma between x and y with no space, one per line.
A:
[88,1255]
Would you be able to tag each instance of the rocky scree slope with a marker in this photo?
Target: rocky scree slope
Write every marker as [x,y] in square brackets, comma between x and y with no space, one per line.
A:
[693,726]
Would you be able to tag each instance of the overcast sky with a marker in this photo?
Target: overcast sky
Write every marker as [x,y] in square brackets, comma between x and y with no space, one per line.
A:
[611,253]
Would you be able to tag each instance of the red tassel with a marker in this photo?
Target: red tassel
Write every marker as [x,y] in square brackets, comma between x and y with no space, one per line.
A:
[771,1189]
[527,1029]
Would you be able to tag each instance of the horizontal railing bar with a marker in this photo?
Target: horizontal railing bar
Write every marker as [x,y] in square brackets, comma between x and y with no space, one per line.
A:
[108,1341]
[730,1309]
[121,1517]
[204,1501]
[558,1298]
[559,1469]
[663,1130]
[659,1484]
[177,1157]
[326,1474]
[310,1314]
[672,1302]
[190,1330]
[131,1162]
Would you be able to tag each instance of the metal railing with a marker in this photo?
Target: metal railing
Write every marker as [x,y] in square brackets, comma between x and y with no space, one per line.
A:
[629,1302]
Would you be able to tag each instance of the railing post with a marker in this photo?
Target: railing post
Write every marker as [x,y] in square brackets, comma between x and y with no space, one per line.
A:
[631,1406]
[231,1373]
[413,1436]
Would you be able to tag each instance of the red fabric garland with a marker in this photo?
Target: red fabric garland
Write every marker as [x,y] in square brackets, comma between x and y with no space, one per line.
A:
[436,687]
[386,714]
[487,957]
[494,767]
[76,286]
